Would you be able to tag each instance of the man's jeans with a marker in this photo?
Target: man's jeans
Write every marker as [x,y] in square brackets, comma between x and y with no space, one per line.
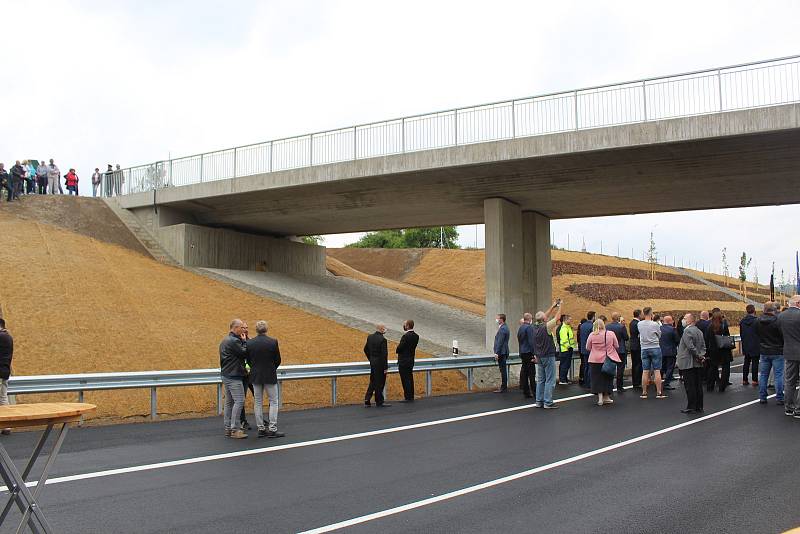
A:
[764,366]
[272,393]
[234,401]
[545,380]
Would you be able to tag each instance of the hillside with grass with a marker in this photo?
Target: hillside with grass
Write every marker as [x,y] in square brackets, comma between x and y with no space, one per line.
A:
[585,281]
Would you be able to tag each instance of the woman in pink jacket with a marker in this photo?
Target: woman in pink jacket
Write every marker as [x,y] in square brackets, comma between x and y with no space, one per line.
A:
[600,344]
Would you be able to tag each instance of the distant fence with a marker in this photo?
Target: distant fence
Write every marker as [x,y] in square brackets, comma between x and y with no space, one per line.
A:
[751,85]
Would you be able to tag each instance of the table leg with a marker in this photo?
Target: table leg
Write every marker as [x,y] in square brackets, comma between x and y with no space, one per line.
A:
[14,499]
[33,507]
[12,489]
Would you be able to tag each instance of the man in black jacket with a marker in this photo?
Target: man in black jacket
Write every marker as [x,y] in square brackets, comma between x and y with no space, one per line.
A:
[232,354]
[377,353]
[771,354]
[636,350]
[750,345]
[264,357]
[6,355]
[406,350]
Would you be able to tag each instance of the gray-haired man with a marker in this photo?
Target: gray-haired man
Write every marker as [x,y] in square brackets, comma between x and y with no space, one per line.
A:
[264,357]
[789,323]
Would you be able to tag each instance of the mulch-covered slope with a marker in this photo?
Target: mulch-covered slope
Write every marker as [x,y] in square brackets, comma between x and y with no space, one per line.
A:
[605,294]
[570,267]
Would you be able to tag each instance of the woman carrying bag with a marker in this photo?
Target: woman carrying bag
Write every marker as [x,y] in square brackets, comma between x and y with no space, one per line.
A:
[603,360]
[719,346]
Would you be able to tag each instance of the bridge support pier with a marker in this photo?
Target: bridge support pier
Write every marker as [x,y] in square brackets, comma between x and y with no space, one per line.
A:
[518,264]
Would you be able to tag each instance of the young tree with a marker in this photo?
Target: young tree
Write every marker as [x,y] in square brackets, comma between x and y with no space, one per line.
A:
[410,238]
[311,239]
[744,264]
[652,256]
[725,270]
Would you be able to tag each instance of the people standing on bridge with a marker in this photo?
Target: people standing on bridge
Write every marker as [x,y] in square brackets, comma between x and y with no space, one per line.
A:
[377,352]
[17,179]
[636,350]
[406,352]
[691,362]
[584,330]
[232,356]
[668,342]
[72,182]
[719,355]
[54,178]
[501,351]
[30,177]
[5,180]
[119,180]
[544,353]
[771,358]
[108,181]
[649,341]
[41,178]
[618,328]
[97,179]
[602,344]
[750,345]
[264,357]
[6,355]
[527,371]
[565,338]
[789,322]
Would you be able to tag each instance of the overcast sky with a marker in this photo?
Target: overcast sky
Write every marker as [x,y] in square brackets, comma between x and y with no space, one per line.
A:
[96,82]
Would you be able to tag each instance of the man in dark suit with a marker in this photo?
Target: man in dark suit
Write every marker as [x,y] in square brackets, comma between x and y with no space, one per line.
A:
[527,373]
[264,357]
[501,351]
[636,350]
[377,353]
[406,350]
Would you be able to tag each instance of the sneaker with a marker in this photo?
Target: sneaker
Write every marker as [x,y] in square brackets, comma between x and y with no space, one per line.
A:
[238,434]
[661,396]
[262,433]
[227,432]
[608,401]
[560,383]
[789,413]
[537,405]
[5,431]
[797,414]
[762,401]
[275,434]
[550,407]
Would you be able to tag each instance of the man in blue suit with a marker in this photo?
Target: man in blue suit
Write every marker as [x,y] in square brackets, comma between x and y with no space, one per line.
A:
[501,351]
[583,335]
[527,373]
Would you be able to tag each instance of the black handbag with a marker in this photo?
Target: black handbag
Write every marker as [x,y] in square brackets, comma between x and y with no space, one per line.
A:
[725,342]
[609,366]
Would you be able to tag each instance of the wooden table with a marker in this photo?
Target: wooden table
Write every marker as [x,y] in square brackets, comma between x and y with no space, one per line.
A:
[47,414]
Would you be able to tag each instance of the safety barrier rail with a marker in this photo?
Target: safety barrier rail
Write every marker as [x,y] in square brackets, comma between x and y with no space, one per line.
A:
[751,85]
[80,383]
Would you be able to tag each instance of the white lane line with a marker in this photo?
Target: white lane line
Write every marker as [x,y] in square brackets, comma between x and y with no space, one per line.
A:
[517,476]
[299,444]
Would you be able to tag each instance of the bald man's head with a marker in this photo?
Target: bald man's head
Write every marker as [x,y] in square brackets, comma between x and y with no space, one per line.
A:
[380,328]
[704,315]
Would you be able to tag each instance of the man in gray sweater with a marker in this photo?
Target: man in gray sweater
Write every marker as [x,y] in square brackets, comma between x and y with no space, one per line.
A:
[691,354]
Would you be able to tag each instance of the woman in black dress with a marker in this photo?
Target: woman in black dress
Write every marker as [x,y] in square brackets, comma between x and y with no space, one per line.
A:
[717,357]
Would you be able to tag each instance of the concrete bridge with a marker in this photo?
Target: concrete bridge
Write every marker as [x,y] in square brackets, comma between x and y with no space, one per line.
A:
[728,151]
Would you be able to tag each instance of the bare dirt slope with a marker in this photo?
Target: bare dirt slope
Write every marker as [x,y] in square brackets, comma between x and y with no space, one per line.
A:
[585,281]
[76,304]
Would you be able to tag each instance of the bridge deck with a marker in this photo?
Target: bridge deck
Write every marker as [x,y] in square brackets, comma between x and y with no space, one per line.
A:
[729,472]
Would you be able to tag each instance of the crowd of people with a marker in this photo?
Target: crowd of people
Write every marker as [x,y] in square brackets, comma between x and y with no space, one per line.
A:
[699,346]
[31,177]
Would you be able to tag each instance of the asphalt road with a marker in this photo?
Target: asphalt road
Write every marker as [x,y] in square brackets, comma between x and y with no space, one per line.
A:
[631,467]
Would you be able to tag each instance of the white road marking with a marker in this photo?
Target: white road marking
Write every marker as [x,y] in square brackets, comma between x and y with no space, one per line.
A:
[297,445]
[517,476]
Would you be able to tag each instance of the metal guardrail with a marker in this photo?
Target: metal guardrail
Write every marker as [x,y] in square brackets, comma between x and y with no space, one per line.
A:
[750,85]
[80,383]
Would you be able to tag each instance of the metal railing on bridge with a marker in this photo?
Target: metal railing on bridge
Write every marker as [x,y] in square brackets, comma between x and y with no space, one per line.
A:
[80,383]
[751,85]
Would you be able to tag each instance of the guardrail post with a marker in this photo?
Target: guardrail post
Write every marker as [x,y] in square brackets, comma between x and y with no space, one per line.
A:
[201,168]
[428,383]
[355,143]
[333,391]
[455,126]
[271,150]
[403,134]
[311,151]
[469,379]
[234,163]
[513,120]
[153,403]
[719,88]
[644,99]
[219,399]
[80,399]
